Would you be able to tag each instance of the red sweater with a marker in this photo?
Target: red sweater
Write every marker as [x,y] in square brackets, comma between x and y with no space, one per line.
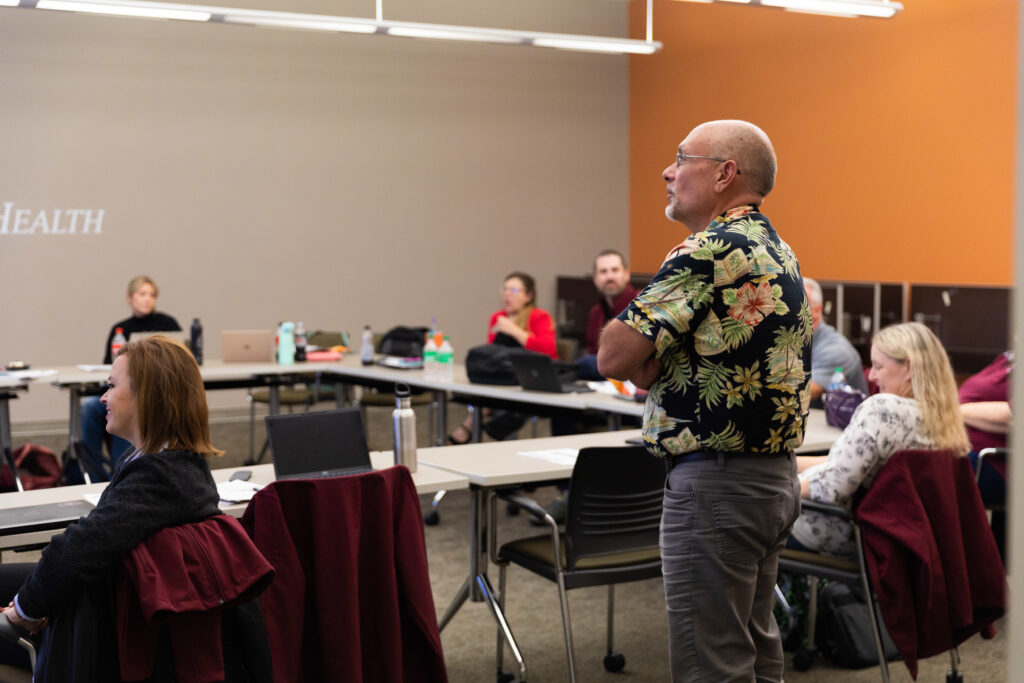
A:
[932,557]
[540,327]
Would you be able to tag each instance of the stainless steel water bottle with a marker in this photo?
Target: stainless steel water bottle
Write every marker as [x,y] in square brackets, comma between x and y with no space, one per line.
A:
[405,427]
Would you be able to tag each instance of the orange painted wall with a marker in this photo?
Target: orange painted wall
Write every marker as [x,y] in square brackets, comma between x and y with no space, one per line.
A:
[895,138]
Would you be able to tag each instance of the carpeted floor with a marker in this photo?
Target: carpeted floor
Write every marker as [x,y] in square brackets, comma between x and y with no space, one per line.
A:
[532,603]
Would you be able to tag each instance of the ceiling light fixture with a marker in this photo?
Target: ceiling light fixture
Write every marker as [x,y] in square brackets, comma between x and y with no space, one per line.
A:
[328,23]
[883,9]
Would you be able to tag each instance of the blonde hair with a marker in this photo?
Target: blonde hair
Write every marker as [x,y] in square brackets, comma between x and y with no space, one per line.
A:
[138,281]
[171,398]
[931,380]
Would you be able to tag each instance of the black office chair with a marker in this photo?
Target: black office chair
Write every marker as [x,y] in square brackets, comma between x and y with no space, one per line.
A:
[611,534]
[851,571]
[306,396]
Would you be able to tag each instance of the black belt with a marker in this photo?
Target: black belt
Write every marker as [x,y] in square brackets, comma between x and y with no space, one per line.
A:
[701,455]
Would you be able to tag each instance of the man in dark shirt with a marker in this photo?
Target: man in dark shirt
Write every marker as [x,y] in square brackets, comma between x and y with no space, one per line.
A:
[722,337]
[611,278]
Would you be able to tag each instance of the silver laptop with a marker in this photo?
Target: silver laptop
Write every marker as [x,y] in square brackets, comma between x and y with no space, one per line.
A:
[330,443]
[247,346]
[42,517]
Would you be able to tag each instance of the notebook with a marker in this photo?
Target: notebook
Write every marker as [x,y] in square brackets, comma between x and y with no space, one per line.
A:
[247,346]
[536,372]
[330,443]
[42,517]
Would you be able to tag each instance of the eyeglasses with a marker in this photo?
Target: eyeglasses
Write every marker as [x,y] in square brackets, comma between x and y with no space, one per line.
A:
[681,158]
[509,290]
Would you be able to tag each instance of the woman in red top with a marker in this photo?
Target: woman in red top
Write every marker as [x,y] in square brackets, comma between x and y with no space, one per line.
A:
[519,323]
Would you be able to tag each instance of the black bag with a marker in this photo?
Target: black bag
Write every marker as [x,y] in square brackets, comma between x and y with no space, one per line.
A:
[844,631]
[491,364]
[404,342]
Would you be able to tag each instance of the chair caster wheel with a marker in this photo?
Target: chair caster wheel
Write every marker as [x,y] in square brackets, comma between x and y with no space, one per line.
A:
[431,518]
[504,677]
[954,677]
[512,510]
[614,663]
[803,659]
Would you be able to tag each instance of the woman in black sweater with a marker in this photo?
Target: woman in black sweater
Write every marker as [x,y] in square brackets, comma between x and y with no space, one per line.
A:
[156,401]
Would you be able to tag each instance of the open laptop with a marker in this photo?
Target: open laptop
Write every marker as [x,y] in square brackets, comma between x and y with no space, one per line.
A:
[247,346]
[314,445]
[536,372]
[42,517]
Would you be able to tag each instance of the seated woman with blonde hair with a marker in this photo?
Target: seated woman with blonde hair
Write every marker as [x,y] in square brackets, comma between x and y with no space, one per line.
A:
[916,408]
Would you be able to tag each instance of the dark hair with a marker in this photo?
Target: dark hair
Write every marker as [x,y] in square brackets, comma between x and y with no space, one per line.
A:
[611,252]
[171,398]
[528,284]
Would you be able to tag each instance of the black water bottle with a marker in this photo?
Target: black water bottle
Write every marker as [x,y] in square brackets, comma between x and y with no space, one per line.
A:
[196,339]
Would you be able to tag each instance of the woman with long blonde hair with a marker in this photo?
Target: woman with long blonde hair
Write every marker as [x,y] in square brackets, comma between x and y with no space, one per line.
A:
[916,408]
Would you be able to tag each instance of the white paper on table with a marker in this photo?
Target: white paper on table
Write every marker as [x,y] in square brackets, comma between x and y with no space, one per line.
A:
[560,456]
[28,374]
[236,491]
[93,368]
[92,498]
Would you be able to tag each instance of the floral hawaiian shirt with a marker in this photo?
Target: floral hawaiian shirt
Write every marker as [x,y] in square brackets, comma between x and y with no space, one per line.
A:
[730,322]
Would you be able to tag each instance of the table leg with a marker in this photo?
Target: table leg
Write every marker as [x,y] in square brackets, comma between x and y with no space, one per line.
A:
[75,430]
[474,412]
[441,401]
[477,587]
[273,399]
[614,422]
[6,440]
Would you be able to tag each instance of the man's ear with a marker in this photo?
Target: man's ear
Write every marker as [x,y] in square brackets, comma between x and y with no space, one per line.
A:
[725,175]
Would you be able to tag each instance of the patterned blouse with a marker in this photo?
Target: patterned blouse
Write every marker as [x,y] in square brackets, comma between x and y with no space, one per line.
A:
[882,425]
[730,322]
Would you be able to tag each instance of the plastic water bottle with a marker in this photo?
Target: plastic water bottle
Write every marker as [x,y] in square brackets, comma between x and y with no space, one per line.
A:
[445,361]
[116,343]
[286,344]
[405,427]
[366,349]
[196,340]
[430,358]
[837,381]
[300,342]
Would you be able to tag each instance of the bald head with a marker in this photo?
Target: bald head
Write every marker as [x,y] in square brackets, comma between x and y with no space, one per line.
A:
[748,146]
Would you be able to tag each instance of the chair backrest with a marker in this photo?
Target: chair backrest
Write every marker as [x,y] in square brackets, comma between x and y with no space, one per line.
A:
[614,502]
[566,349]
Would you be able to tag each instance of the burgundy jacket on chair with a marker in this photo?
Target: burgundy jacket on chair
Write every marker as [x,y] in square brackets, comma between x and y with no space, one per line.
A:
[183,576]
[932,557]
[351,601]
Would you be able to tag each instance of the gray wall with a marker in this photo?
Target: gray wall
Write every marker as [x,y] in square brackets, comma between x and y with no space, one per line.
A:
[261,175]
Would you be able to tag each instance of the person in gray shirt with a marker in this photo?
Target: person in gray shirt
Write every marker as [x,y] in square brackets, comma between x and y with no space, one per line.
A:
[830,350]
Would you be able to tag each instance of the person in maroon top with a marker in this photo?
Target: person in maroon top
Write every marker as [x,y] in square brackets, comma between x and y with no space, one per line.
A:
[611,278]
[985,405]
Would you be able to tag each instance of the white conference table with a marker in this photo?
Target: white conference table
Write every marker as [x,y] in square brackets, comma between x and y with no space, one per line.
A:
[427,479]
[502,464]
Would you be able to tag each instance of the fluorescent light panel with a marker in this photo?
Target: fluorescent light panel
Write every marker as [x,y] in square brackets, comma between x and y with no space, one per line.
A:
[144,10]
[304,24]
[621,47]
[320,22]
[863,8]
[453,33]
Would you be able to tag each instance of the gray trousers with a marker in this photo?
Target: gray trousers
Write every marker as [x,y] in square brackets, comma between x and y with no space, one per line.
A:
[723,526]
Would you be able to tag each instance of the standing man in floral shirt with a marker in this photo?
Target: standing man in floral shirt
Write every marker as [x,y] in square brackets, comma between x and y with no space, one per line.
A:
[722,337]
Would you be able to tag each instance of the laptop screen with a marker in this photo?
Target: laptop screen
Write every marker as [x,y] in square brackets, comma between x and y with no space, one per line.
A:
[315,443]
